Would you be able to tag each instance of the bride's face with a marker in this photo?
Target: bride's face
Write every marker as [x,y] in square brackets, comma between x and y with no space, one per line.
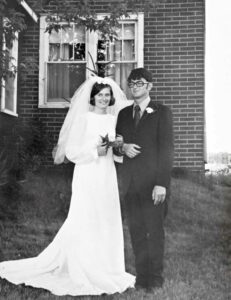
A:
[102,99]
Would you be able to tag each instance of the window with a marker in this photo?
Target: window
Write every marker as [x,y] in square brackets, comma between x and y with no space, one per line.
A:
[9,86]
[66,57]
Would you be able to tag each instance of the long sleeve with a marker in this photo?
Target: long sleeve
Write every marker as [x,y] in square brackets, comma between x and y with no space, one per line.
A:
[165,147]
[79,149]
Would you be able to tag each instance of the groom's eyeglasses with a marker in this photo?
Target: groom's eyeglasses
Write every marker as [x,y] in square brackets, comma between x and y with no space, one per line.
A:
[137,84]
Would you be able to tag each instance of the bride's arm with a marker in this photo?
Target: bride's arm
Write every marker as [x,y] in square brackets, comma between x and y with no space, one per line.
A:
[79,150]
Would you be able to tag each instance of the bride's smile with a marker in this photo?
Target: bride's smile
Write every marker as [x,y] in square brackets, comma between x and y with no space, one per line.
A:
[102,99]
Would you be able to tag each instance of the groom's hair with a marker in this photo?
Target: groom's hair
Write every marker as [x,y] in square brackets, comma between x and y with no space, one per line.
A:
[140,73]
[97,87]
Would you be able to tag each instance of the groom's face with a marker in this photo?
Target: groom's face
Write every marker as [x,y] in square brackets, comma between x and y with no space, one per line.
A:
[140,89]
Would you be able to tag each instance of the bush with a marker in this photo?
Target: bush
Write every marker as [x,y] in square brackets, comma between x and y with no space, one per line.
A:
[198,177]
[45,195]
[4,168]
[9,196]
[25,149]
[178,172]
[224,180]
[185,173]
[32,144]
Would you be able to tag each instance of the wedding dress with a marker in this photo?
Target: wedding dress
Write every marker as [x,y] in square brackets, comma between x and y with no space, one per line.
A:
[86,256]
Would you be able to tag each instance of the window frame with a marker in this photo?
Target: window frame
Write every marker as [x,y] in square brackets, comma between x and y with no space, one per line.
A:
[14,54]
[91,47]
[138,19]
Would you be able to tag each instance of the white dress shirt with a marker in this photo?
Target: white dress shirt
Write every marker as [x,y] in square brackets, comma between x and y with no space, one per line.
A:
[143,105]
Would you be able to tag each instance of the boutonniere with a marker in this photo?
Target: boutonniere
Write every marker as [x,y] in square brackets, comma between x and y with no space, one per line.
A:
[149,110]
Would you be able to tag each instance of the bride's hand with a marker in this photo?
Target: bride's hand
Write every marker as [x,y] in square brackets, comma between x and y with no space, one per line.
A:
[102,149]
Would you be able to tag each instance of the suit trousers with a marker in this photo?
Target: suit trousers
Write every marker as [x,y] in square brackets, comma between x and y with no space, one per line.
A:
[146,225]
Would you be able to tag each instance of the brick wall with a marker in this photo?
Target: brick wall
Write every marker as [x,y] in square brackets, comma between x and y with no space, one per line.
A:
[52,119]
[173,51]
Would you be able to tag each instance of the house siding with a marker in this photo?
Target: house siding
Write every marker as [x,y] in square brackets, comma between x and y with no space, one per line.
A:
[173,52]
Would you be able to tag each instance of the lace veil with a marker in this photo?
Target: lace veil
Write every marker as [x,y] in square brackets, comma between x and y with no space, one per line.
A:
[73,126]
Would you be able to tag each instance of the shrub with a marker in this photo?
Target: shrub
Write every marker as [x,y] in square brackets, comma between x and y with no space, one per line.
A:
[178,172]
[9,195]
[26,148]
[224,180]
[4,168]
[198,177]
[185,173]
[32,144]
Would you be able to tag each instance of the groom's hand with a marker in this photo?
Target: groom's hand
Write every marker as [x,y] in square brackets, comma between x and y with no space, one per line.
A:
[131,150]
[158,194]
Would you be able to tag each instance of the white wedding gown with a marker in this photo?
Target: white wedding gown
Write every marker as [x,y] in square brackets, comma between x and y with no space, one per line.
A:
[86,256]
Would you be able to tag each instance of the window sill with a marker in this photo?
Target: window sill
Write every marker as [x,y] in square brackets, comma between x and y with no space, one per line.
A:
[54,105]
[9,112]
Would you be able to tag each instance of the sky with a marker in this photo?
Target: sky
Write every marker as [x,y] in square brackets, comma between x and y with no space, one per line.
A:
[218,75]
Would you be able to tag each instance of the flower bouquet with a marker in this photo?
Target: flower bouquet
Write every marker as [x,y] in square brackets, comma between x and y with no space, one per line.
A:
[117,143]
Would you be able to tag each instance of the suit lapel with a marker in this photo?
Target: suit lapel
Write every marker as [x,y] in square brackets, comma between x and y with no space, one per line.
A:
[130,120]
[149,111]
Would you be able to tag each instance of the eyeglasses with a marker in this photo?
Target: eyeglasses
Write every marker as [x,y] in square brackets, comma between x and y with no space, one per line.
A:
[137,84]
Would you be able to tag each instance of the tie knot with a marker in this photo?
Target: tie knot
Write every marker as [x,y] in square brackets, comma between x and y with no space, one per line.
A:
[137,108]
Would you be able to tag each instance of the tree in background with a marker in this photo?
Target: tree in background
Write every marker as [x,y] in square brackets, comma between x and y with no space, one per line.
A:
[82,13]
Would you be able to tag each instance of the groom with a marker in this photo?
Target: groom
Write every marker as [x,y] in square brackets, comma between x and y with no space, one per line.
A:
[146,128]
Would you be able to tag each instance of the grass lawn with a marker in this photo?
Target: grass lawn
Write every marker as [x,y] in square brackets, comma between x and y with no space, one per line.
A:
[197,254]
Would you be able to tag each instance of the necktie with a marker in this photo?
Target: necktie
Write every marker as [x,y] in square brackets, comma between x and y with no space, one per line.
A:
[137,115]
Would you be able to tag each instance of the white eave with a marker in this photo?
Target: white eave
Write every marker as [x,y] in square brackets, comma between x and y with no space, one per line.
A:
[29,10]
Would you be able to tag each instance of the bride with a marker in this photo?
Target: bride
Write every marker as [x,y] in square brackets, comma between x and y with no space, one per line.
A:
[86,256]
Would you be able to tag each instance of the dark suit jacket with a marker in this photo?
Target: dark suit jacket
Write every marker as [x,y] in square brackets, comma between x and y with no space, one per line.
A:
[154,135]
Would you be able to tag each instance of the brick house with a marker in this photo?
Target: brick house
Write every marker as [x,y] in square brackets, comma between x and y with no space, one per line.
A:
[10,94]
[168,40]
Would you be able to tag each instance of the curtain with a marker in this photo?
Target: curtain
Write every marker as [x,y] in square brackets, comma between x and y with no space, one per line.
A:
[63,79]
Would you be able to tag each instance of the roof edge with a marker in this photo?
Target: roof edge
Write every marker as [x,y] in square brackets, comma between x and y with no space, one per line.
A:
[29,10]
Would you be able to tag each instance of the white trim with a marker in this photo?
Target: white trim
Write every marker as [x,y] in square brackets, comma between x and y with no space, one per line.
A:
[54,105]
[43,58]
[29,10]
[140,39]
[92,39]
[9,112]
[132,17]
[3,96]
[14,54]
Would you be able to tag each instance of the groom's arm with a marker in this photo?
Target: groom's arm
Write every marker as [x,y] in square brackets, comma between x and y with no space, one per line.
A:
[165,146]
[119,151]
[165,155]
[131,150]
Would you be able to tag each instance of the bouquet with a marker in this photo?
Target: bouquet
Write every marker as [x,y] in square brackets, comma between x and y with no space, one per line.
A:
[116,144]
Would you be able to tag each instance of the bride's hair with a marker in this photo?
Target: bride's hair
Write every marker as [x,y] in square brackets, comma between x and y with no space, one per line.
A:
[97,87]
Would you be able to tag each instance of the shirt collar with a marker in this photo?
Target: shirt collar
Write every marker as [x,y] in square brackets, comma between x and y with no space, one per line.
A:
[144,104]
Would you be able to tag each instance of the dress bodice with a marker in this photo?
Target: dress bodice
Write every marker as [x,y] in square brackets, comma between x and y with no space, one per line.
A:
[99,125]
